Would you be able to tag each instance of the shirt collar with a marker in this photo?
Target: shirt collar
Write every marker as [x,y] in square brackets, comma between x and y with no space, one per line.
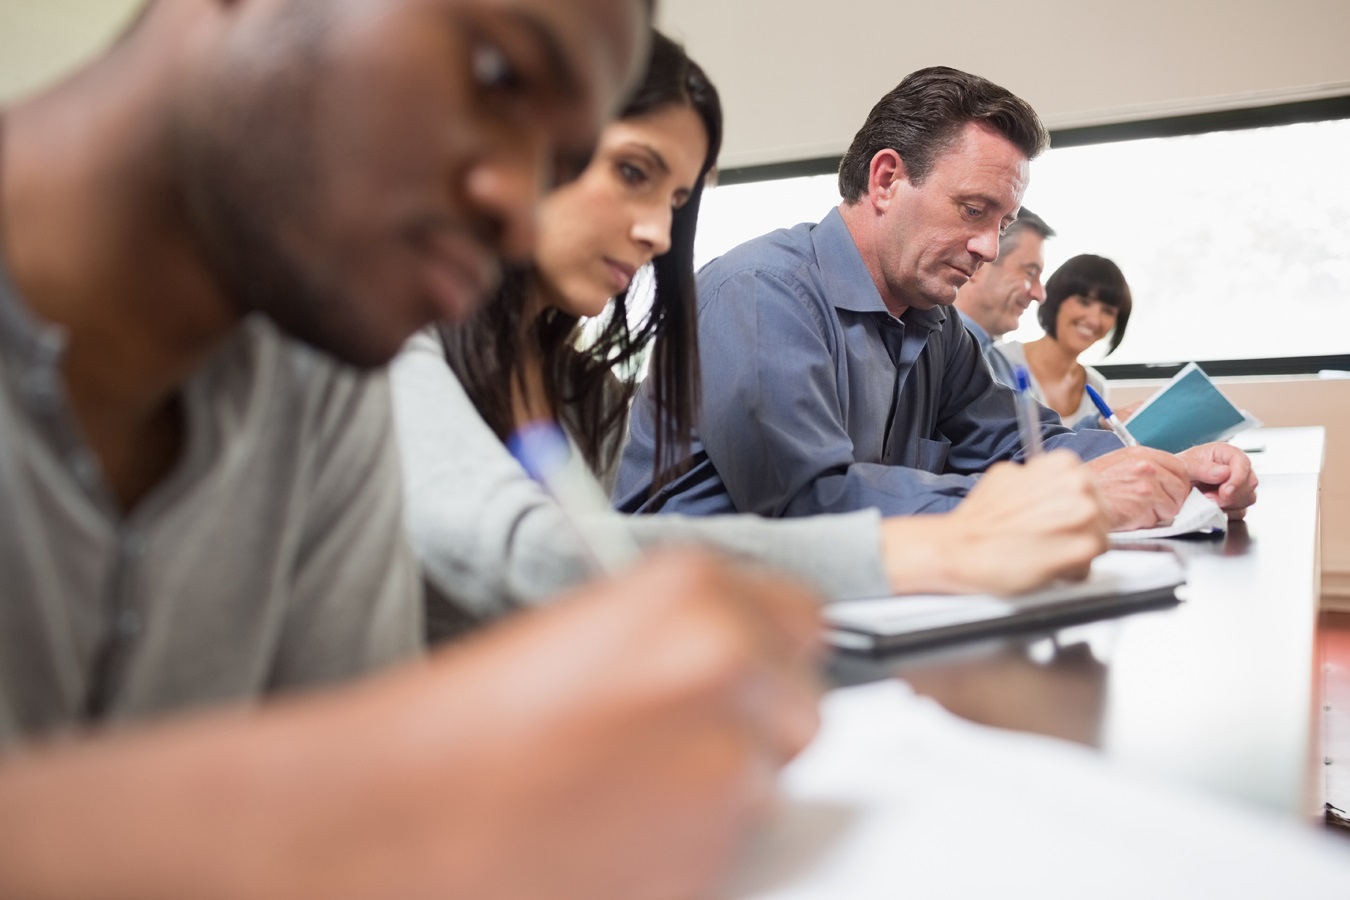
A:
[974,328]
[25,340]
[23,337]
[848,285]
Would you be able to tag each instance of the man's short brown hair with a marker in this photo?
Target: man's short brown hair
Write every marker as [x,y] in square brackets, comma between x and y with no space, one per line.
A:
[924,115]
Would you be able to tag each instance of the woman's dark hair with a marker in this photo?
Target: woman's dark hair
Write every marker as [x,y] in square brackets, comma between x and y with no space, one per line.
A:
[488,351]
[923,117]
[1093,278]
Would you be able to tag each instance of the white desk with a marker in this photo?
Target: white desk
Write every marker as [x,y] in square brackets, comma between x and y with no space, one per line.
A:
[1220,691]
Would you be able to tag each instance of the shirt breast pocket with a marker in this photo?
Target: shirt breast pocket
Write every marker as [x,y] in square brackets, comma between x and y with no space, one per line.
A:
[932,455]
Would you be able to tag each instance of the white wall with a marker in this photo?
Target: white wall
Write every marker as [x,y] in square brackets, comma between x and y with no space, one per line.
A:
[798,76]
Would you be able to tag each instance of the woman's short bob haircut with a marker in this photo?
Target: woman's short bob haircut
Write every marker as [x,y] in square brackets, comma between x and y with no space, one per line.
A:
[1092,278]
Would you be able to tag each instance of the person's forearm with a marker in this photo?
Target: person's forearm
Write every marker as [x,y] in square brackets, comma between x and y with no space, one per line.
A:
[299,799]
[839,554]
[892,490]
[564,754]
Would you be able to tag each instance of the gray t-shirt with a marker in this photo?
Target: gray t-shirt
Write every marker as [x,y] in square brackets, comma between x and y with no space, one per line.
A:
[271,557]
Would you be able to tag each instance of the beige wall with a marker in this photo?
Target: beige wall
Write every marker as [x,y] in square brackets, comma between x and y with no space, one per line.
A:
[1299,400]
[42,39]
[798,76]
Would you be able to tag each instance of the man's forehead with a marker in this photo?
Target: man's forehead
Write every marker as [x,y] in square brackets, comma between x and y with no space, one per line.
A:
[982,162]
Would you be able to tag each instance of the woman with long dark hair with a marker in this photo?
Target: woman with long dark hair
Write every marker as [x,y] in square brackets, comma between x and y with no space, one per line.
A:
[490,538]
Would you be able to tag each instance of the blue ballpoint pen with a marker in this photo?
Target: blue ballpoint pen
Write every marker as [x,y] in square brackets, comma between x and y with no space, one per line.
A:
[547,455]
[1028,414]
[1117,427]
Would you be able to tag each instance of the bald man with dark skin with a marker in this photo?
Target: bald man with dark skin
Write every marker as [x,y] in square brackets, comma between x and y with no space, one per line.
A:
[207,237]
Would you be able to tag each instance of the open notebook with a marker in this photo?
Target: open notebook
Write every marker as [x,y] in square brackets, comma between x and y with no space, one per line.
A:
[1187,411]
[1120,580]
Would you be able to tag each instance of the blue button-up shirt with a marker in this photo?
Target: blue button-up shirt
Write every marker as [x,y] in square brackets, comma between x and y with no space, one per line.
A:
[816,399]
[998,363]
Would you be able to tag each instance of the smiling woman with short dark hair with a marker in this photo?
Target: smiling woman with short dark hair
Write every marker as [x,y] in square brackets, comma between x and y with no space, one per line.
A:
[1086,300]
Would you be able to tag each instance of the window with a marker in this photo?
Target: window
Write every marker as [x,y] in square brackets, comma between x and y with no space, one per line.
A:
[1236,244]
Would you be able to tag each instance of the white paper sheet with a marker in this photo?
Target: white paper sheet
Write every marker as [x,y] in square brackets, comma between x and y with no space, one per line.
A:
[897,798]
[1198,515]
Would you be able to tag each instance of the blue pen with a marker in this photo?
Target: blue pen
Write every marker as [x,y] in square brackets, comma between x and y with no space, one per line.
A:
[1028,414]
[1117,426]
[547,455]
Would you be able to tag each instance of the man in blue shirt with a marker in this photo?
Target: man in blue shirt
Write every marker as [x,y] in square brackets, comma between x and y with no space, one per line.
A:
[991,303]
[834,376]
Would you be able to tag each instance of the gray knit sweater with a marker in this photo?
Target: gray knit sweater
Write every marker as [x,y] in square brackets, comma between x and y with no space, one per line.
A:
[489,537]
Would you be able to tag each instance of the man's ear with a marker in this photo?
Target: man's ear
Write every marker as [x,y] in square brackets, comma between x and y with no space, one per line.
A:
[886,175]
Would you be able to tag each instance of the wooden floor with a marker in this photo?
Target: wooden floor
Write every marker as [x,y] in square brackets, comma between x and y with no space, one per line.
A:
[1335,636]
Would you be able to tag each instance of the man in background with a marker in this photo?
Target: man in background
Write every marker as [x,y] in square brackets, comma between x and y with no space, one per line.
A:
[991,303]
[211,238]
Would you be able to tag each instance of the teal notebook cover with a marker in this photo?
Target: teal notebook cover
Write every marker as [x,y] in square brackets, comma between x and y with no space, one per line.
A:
[1188,411]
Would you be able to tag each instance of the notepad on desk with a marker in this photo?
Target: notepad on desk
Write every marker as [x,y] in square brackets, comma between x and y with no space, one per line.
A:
[1188,411]
[1120,580]
[1198,515]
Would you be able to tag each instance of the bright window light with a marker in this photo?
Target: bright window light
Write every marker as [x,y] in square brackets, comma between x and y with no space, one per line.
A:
[1236,244]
